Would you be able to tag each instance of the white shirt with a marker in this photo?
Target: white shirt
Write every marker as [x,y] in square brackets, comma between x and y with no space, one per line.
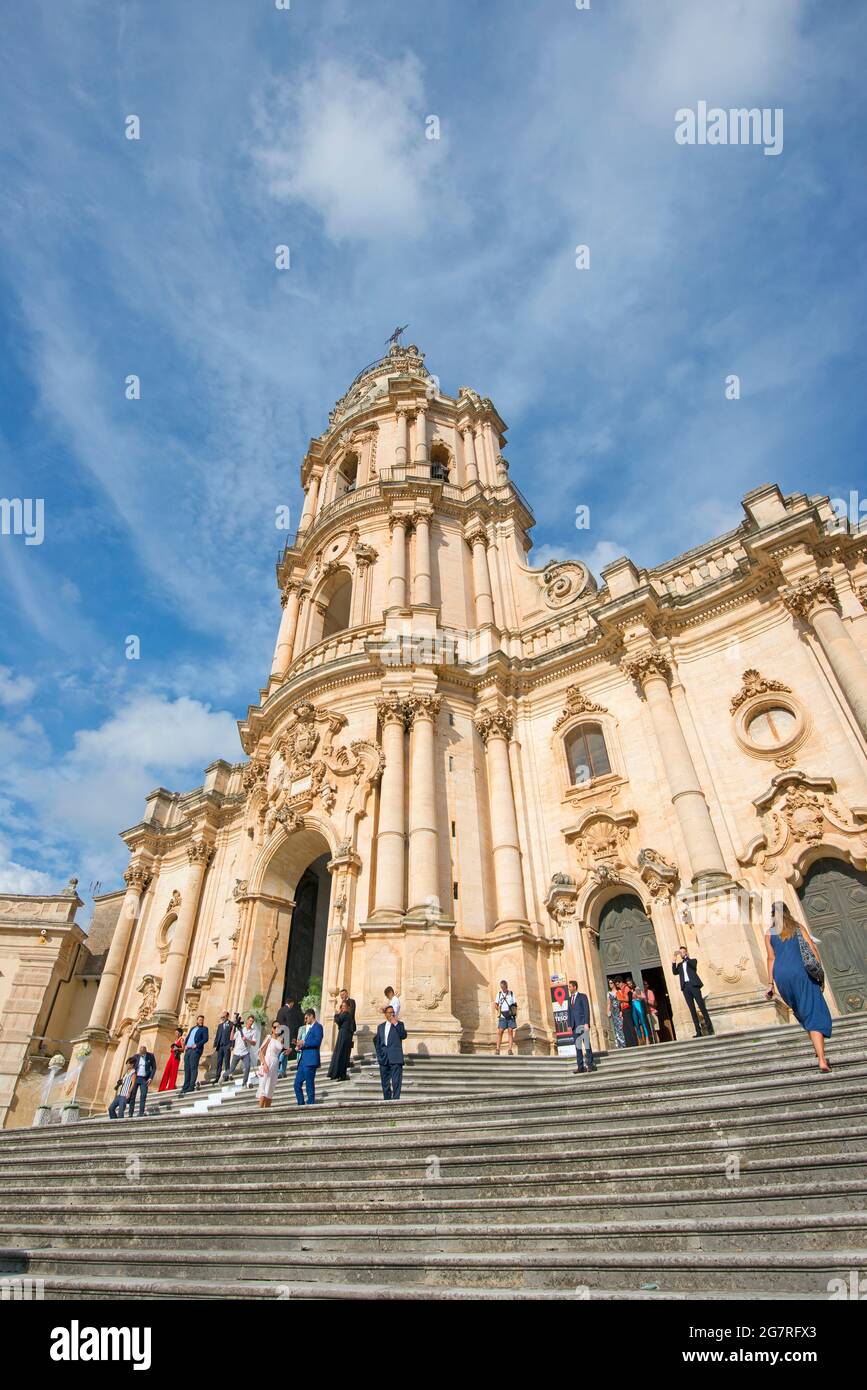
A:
[394,1001]
[505,1000]
[685,971]
[386,1032]
[141,1065]
[253,1037]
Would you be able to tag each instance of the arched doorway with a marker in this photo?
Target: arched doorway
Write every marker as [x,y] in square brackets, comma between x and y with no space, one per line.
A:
[834,898]
[307,933]
[628,949]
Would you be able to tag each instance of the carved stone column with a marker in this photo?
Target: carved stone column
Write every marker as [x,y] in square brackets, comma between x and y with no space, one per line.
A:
[495,730]
[391,838]
[137,878]
[397,573]
[421,435]
[290,598]
[401,451]
[311,497]
[200,854]
[650,670]
[365,555]
[423,831]
[481,578]
[422,573]
[815,602]
[470,464]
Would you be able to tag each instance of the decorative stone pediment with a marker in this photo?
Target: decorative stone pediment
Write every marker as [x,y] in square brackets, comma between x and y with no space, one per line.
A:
[755,684]
[602,844]
[577,704]
[797,812]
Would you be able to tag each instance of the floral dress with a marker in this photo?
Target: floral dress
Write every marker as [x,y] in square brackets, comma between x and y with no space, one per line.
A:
[615,1013]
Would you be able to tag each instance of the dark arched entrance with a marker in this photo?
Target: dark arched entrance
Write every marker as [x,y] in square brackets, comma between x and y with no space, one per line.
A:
[834,898]
[628,949]
[306,956]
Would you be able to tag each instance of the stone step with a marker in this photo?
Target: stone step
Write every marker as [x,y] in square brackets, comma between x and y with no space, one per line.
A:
[800,1271]
[213,1207]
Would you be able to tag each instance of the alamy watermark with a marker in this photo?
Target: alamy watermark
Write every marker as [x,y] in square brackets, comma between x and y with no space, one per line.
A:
[23,516]
[738,126]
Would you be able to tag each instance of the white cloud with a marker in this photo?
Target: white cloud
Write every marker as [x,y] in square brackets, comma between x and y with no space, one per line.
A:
[14,689]
[15,878]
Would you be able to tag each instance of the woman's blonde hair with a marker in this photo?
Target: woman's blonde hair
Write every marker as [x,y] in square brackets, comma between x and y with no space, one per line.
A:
[784,922]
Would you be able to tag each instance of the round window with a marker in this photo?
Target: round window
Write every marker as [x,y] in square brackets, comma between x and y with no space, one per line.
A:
[772,726]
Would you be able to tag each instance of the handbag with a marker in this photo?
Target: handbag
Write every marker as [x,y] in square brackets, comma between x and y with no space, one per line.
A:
[811,965]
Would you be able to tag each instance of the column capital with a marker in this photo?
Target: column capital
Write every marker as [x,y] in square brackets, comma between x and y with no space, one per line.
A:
[399,519]
[806,595]
[392,709]
[137,877]
[475,533]
[423,515]
[642,666]
[292,586]
[200,852]
[862,594]
[423,706]
[494,723]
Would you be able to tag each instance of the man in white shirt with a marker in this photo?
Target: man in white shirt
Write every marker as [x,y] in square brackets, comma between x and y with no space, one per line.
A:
[388,1044]
[245,1045]
[506,1009]
[392,1000]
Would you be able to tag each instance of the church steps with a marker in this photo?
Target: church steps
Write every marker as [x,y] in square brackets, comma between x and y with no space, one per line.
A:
[732,1199]
[801,1271]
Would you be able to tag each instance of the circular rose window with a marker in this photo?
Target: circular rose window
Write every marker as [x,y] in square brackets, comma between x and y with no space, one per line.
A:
[771,727]
[767,728]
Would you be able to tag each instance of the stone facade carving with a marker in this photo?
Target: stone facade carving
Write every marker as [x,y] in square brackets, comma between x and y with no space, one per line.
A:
[423,707]
[659,873]
[494,721]
[200,852]
[576,704]
[137,877]
[799,811]
[645,664]
[149,990]
[563,582]
[755,684]
[806,595]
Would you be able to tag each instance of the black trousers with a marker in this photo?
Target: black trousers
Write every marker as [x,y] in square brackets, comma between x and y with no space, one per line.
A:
[191,1068]
[392,1079]
[140,1086]
[694,996]
[223,1055]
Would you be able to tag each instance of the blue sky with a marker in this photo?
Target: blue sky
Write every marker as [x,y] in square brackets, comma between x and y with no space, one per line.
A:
[307,127]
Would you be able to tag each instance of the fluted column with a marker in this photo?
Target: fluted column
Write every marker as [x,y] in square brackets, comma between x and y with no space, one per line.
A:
[423,835]
[200,855]
[391,837]
[815,602]
[291,601]
[397,572]
[311,497]
[482,579]
[495,730]
[421,579]
[470,464]
[650,670]
[421,435]
[137,878]
[401,452]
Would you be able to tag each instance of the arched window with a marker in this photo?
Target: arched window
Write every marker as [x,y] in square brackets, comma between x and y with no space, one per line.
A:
[439,462]
[337,614]
[587,754]
[347,475]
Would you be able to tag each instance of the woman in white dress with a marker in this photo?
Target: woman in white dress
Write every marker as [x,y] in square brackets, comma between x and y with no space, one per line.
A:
[269,1057]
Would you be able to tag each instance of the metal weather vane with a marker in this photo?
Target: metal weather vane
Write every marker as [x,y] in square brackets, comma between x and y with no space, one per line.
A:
[396,335]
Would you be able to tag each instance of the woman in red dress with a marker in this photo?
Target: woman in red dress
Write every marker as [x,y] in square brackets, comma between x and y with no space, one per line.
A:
[170,1075]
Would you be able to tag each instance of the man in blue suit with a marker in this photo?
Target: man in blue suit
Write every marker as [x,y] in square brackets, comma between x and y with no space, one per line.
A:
[388,1043]
[194,1046]
[578,1009]
[308,1059]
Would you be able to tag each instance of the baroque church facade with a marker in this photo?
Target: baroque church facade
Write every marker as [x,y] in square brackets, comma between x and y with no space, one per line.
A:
[463,769]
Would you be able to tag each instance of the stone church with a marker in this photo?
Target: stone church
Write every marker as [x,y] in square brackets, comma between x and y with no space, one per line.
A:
[462,768]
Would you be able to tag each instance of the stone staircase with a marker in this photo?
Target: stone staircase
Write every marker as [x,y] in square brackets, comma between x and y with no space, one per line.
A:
[721,1168]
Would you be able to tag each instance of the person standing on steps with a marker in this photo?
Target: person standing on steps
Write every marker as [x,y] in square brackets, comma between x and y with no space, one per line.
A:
[615,1014]
[393,1000]
[222,1048]
[269,1057]
[122,1091]
[685,967]
[245,1046]
[309,1059]
[169,1078]
[145,1069]
[506,1009]
[578,1015]
[345,998]
[290,1018]
[340,1057]
[624,997]
[795,971]
[194,1046]
[388,1044]
[640,1017]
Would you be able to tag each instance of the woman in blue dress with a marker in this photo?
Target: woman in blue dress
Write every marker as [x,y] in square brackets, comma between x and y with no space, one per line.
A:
[788,975]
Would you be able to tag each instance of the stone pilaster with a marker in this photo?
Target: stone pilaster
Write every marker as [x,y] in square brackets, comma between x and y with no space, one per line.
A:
[423,712]
[494,727]
[199,854]
[814,601]
[137,878]
[391,838]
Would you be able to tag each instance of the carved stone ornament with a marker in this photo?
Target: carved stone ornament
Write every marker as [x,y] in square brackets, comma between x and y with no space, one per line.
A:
[149,989]
[862,594]
[365,555]
[495,722]
[137,877]
[563,582]
[200,852]
[254,776]
[643,665]
[174,901]
[602,839]
[423,706]
[577,704]
[755,684]
[806,595]
[392,709]
[659,873]
[797,812]
[306,766]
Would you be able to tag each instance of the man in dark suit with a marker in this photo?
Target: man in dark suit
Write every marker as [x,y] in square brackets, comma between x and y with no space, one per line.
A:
[388,1043]
[145,1066]
[685,967]
[223,1048]
[309,1059]
[194,1046]
[578,1010]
